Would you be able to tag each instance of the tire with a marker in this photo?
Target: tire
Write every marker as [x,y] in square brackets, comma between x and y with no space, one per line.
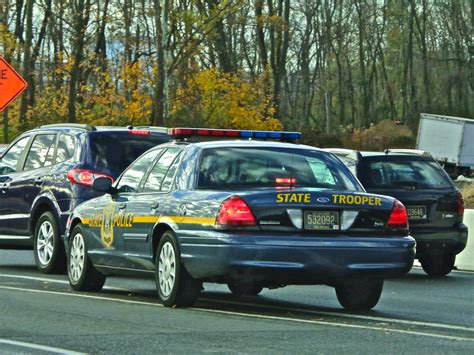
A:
[244,289]
[50,256]
[438,265]
[359,295]
[175,287]
[83,276]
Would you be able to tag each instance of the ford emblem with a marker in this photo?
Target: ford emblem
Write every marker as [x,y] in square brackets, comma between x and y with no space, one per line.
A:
[322,199]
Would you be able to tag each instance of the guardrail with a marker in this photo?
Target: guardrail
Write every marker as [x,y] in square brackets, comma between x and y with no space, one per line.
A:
[465,260]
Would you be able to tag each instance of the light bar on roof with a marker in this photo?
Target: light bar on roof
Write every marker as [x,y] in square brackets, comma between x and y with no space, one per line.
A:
[212,132]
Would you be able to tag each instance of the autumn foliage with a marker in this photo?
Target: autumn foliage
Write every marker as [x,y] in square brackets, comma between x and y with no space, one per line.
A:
[210,98]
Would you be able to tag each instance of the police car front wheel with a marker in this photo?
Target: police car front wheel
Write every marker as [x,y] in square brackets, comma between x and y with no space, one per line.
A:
[83,276]
[174,285]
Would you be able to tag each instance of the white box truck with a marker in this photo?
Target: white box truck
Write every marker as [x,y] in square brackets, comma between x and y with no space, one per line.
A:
[450,140]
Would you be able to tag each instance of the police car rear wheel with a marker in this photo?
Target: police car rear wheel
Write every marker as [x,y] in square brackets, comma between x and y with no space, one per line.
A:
[244,289]
[174,285]
[83,276]
[50,256]
[359,294]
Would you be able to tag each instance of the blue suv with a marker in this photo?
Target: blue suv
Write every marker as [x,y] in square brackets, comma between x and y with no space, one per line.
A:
[46,172]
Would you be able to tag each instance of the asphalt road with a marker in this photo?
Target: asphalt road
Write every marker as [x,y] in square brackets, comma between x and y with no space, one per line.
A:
[40,314]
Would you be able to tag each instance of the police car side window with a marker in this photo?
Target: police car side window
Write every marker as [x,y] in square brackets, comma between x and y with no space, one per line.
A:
[11,158]
[130,180]
[162,174]
[42,144]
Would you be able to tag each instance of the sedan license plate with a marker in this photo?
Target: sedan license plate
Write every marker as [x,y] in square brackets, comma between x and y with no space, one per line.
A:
[321,220]
[416,212]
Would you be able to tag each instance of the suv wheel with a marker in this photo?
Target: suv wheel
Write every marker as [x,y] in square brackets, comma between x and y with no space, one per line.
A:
[437,264]
[174,285]
[50,256]
[359,294]
[83,276]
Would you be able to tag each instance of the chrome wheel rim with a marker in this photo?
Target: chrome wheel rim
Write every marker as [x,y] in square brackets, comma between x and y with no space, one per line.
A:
[167,269]
[76,259]
[45,242]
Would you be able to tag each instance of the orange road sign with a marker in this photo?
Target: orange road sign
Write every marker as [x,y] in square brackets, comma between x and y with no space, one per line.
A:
[11,84]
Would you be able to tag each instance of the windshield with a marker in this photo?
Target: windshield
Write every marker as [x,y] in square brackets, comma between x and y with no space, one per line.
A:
[406,174]
[231,167]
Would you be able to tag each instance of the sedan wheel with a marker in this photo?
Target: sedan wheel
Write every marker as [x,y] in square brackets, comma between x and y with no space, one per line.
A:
[167,269]
[176,288]
[359,294]
[83,276]
[76,259]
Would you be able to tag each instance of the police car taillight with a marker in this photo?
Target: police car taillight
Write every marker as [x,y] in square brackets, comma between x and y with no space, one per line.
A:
[285,181]
[181,132]
[235,212]
[85,177]
[398,217]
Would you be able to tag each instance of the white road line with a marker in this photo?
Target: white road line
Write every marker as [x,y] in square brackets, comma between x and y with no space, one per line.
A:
[249,315]
[270,307]
[63,282]
[345,315]
[38,347]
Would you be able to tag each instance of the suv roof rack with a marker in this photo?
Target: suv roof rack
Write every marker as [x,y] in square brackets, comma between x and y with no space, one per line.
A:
[408,151]
[70,125]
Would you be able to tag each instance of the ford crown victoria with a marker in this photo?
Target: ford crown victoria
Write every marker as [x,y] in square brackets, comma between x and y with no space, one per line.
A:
[247,213]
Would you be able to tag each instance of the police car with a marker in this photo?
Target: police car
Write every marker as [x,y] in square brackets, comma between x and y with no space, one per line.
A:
[247,213]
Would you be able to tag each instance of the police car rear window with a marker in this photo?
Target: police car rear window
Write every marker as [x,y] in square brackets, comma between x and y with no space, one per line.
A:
[231,167]
[118,150]
[404,174]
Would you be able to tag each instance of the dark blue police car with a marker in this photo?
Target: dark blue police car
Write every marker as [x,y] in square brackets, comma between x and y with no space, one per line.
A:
[48,171]
[247,213]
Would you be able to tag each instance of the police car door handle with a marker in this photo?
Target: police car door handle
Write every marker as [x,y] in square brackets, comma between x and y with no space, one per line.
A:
[122,206]
[154,205]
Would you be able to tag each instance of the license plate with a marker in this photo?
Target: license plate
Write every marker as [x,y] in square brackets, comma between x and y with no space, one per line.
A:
[416,212]
[321,220]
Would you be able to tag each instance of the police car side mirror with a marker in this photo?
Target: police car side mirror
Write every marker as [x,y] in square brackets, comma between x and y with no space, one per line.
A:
[103,184]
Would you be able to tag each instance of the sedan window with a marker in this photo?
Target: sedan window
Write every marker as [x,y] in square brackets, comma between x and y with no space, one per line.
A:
[130,179]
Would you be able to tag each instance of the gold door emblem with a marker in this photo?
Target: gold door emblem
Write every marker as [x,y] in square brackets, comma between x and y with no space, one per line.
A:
[107,227]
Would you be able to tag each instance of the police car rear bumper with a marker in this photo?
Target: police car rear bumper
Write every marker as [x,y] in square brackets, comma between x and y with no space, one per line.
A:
[276,260]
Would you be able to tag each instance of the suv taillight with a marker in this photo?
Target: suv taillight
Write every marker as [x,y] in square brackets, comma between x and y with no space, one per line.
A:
[460,204]
[398,217]
[235,212]
[85,177]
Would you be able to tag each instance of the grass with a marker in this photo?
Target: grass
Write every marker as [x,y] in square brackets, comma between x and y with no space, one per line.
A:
[468,195]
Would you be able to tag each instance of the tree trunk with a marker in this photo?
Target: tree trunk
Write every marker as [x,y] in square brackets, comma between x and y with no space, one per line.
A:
[81,19]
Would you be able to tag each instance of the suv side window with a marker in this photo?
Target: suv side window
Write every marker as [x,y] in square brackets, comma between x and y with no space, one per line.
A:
[131,178]
[66,145]
[11,158]
[164,167]
[42,144]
